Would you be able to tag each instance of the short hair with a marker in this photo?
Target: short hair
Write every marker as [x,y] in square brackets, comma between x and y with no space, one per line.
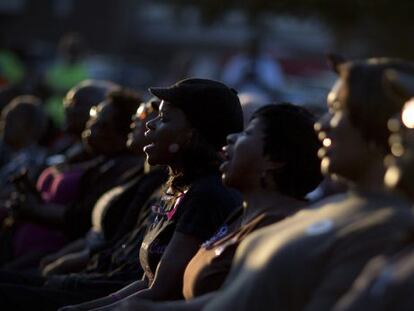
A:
[88,93]
[31,113]
[126,102]
[368,101]
[289,138]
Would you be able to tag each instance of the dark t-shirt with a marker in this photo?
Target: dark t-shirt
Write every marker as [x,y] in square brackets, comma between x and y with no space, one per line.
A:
[199,213]
[108,174]
[117,264]
[121,254]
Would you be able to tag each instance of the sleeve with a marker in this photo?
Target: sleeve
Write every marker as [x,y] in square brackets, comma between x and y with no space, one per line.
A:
[204,211]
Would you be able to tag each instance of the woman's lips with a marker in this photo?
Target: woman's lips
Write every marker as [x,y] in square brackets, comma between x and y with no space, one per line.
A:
[148,137]
[226,159]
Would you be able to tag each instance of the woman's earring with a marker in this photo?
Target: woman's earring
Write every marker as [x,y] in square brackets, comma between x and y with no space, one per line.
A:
[173,148]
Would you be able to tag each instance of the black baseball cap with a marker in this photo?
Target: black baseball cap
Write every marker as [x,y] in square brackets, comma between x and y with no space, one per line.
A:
[211,107]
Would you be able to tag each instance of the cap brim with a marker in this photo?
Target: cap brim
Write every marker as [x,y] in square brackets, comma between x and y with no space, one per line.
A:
[161,92]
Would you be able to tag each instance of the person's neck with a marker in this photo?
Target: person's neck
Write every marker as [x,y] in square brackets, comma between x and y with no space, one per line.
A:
[256,202]
[372,179]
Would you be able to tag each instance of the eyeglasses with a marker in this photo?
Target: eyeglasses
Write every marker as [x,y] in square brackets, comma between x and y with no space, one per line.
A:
[144,110]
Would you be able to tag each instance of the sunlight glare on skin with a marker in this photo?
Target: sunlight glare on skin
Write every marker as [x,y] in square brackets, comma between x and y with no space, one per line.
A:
[392,176]
[327,142]
[321,136]
[325,165]
[335,120]
[397,150]
[321,153]
[93,112]
[393,125]
[408,114]
[317,126]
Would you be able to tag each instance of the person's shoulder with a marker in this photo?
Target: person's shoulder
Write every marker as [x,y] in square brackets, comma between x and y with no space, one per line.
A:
[210,190]
[209,185]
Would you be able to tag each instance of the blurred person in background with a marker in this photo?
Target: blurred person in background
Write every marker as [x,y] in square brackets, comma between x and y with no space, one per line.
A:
[77,104]
[387,281]
[68,70]
[114,264]
[23,125]
[251,102]
[51,214]
[255,71]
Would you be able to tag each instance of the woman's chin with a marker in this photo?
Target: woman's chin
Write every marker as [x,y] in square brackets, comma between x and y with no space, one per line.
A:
[147,148]
[224,167]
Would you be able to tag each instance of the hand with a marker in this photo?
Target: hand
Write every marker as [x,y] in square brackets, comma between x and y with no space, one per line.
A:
[48,259]
[55,267]
[72,262]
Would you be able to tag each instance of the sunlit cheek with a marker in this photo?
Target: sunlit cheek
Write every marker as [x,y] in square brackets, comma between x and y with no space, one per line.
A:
[334,122]
[327,142]
[93,112]
[392,176]
[397,150]
[325,163]
[321,136]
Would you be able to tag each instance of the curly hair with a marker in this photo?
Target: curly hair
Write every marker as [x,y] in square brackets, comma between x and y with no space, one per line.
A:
[289,138]
[126,103]
[200,158]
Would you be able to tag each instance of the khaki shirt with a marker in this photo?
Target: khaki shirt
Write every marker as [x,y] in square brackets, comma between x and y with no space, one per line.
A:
[308,261]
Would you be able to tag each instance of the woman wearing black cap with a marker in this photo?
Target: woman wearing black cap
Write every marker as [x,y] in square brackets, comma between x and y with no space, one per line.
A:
[187,137]
[306,262]
[274,164]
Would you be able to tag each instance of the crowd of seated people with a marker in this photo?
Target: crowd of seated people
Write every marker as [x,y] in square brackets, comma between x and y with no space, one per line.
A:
[193,201]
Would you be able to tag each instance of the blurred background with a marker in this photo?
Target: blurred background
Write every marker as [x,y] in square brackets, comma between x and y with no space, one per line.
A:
[273,49]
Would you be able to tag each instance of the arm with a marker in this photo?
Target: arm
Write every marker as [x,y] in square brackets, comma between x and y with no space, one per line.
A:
[72,247]
[73,262]
[110,299]
[168,282]
[179,305]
